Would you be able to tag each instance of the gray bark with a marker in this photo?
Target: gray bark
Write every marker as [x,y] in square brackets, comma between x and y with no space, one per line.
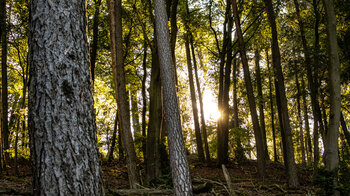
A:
[61,120]
[178,161]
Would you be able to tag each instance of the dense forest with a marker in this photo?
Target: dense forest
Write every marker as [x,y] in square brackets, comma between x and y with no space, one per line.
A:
[175,97]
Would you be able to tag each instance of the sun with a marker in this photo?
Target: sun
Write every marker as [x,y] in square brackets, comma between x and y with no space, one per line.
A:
[210,106]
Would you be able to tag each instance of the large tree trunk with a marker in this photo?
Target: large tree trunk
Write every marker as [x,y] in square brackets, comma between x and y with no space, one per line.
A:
[203,128]
[250,94]
[178,161]
[61,115]
[331,146]
[261,102]
[93,51]
[276,62]
[5,129]
[115,9]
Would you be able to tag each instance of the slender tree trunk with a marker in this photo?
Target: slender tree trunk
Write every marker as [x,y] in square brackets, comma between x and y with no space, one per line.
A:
[93,51]
[135,113]
[178,161]
[153,166]
[301,133]
[251,99]
[203,128]
[199,142]
[61,117]
[114,137]
[345,129]
[306,121]
[331,146]
[261,102]
[222,154]
[5,128]
[276,62]
[144,100]
[272,114]
[115,9]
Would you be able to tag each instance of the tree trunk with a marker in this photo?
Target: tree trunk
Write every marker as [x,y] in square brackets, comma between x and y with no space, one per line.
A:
[115,10]
[276,62]
[93,51]
[261,102]
[251,98]
[203,128]
[114,137]
[301,133]
[331,146]
[153,165]
[197,129]
[144,100]
[5,128]
[178,161]
[135,114]
[222,145]
[272,109]
[61,115]
[345,129]
[306,121]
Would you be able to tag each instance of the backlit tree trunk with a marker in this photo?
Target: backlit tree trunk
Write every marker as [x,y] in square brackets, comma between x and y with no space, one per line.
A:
[251,98]
[61,120]
[178,161]
[93,52]
[276,62]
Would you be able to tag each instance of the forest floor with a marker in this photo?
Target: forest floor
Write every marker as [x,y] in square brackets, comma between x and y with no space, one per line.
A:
[244,179]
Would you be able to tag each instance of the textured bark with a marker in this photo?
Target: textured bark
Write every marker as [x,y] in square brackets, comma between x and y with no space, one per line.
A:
[155,119]
[4,95]
[178,161]
[250,94]
[331,146]
[61,120]
[203,127]
[93,51]
[301,133]
[272,114]
[261,102]
[115,9]
[197,129]
[276,62]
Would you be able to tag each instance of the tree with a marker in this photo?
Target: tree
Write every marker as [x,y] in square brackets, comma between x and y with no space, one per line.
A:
[94,45]
[5,128]
[115,9]
[61,114]
[331,147]
[280,89]
[247,79]
[178,161]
